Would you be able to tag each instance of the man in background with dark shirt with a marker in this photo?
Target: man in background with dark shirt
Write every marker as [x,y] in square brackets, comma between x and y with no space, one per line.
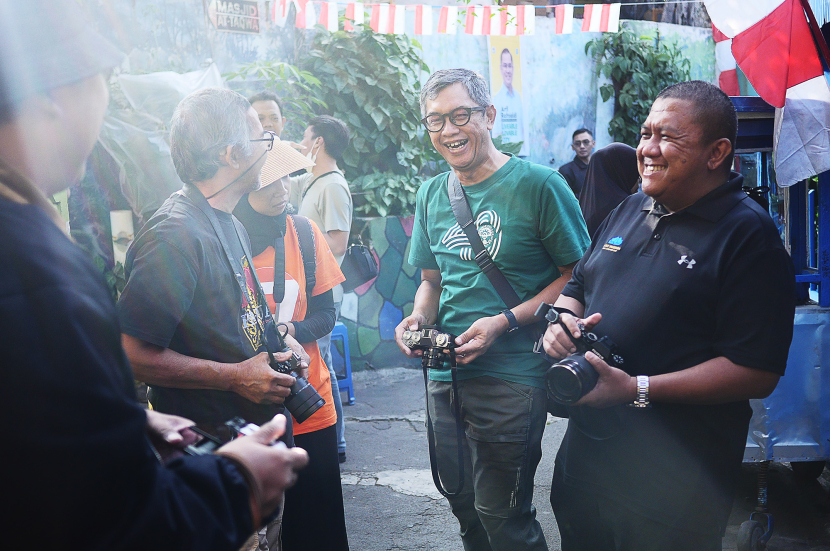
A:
[80,472]
[574,172]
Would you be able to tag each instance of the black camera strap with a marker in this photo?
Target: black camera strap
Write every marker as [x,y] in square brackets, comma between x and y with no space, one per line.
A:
[196,197]
[464,217]
[459,431]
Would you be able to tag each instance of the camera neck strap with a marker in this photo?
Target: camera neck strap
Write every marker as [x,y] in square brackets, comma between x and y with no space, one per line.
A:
[196,197]
[464,217]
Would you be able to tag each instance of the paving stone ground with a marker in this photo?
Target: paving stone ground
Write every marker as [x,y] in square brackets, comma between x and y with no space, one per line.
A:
[392,504]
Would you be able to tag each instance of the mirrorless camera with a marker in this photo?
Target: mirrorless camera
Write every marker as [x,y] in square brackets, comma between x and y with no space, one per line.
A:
[573,377]
[432,341]
[209,443]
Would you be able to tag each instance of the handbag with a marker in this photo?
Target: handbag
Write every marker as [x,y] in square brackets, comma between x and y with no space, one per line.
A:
[359,266]
[464,217]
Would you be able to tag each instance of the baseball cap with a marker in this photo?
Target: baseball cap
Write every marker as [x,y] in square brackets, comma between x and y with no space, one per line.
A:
[48,44]
[281,161]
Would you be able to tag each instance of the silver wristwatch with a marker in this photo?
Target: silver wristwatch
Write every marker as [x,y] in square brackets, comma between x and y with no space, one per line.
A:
[642,393]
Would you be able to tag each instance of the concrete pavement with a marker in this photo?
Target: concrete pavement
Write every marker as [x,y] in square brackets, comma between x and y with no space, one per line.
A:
[392,504]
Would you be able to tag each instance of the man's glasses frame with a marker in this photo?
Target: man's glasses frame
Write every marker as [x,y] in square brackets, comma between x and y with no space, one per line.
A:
[584,143]
[269,139]
[435,122]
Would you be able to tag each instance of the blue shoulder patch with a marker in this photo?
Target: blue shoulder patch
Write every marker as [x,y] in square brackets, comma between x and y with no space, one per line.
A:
[615,241]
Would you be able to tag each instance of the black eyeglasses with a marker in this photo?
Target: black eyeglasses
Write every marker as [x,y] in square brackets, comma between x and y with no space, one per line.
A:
[585,143]
[434,122]
[269,139]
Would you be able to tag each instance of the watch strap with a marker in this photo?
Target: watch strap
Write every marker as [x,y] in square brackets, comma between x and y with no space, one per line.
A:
[641,401]
[511,319]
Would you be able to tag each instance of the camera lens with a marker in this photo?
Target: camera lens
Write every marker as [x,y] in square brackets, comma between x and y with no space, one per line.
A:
[570,379]
[303,401]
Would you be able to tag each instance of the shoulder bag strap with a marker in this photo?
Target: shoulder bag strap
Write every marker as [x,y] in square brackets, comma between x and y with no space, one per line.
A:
[464,217]
[308,251]
[314,181]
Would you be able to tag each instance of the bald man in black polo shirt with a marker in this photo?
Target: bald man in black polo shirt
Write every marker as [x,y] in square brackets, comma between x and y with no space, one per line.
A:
[691,281]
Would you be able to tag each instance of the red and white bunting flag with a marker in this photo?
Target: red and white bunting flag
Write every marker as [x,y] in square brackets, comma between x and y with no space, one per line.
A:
[528,19]
[564,14]
[510,27]
[474,20]
[423,19]
[486,20]
[601,18]
[328,15]
[354,15]
[279,12]
[397,19]
[380,18]
[774,47]
[306,15]
[448,20]
[725,66]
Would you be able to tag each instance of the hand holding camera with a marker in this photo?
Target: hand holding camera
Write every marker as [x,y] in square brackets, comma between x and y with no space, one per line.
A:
[260,384]
[587,371]
[269,469]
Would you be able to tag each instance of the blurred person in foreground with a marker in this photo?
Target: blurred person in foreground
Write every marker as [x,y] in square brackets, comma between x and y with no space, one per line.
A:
[692,283]
[81,472]
[298,272]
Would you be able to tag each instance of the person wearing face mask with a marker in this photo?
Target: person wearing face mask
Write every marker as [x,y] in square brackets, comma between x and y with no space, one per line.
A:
[298,272]
[323,196]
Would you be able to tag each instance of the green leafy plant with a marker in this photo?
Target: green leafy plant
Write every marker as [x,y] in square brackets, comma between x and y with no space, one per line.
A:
[638,69]
[372,81]
[298,90]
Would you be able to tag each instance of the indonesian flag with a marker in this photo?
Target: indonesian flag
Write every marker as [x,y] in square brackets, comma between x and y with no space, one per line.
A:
[510,27]
[279,12]
[448,20]
[474,20]
[306,16]
[725,66]
[601,18]
[397,19]
[564,17]
[773,46]
[328,15]
[354,15]
[387,18]
[423,19]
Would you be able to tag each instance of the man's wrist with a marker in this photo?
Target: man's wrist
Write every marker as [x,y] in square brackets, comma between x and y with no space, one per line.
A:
[512,323]
[504,324]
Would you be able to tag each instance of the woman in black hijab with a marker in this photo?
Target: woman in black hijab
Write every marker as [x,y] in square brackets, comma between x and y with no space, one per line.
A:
[612,176]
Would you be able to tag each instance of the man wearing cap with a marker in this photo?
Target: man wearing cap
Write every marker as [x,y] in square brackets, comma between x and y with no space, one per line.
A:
[298,272]
[81,472]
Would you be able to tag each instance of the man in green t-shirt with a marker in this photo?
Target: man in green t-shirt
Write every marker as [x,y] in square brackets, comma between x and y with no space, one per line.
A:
[531,225]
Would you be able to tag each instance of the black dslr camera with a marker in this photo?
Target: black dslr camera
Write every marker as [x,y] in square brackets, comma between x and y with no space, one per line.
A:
[573,377]
[433,342]
[303,400]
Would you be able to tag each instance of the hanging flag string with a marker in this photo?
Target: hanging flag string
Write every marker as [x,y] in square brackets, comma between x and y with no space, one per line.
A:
[475,19]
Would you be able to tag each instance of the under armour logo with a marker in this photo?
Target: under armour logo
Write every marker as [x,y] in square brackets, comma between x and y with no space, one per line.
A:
[688,262]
